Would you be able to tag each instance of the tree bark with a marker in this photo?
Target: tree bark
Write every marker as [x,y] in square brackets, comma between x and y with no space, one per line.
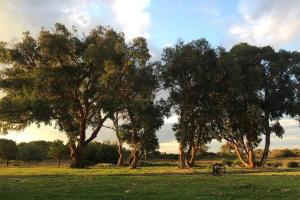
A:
[193,156]
[181,156]
[76,156]
[266,150]
[135,159]
[238,153]
[120,152]
[187,156]
[251,158]
[265,154]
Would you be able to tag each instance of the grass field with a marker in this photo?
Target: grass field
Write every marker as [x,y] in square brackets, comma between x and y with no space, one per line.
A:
[164,182]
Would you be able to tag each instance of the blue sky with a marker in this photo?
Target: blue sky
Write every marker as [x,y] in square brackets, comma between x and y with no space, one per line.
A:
[162,22]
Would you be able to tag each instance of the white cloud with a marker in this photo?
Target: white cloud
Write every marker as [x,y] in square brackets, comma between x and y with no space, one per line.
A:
[133,16]
[129,16]
[267,22]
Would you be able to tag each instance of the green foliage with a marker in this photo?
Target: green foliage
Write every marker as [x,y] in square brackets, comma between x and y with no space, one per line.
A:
[58,150]
[274,164]
[8,149]
[74,82]
[29,152]
[190,73]
[96,153]
[259,87]
[292,164]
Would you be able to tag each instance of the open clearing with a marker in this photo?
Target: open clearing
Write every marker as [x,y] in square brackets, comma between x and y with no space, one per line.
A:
[167,182]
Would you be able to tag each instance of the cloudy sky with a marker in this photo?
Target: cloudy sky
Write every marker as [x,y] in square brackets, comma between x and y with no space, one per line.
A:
[162,22]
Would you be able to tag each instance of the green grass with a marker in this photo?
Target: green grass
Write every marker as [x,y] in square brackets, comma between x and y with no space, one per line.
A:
[146,183]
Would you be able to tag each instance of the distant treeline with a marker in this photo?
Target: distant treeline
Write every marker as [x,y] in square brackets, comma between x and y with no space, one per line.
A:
[105,152]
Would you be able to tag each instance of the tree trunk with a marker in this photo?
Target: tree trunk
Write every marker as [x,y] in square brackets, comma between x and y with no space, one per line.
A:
[266,150]
[187,156]
[135,159]
[120,151]
[238,153]
[58,162]
[6,163]
[181,156]
[193,156]
[76,156]
[251,158]
[264,157]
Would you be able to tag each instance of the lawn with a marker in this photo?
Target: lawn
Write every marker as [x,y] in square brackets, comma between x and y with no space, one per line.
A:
[167,182]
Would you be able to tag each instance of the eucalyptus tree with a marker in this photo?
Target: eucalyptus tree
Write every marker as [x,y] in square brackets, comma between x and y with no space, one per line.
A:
[190,73]
[261,88]
[62,78]
[142,114]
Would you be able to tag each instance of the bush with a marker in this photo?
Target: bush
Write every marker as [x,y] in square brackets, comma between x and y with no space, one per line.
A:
[227,162]
[282,153]
[292,164]
[97,152]
[274,164]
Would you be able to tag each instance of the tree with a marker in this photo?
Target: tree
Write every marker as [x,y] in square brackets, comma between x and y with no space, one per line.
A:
[62,78]
[97,152]
[226,149]
[57,151]
[29,152]
[138,113]
[45,146]
[8,150]
[116,120]
[190,73]
[149,143]
[261,89]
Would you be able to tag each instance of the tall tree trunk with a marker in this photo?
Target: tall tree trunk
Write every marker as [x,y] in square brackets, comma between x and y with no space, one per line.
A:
[76,156]
[7,163]
[251,158]
[181,155]
[193,156]
[59,162]
[265,154]
[266,150]
[250,150]
[120,152]
[187,156]
[135,158]
[239,155]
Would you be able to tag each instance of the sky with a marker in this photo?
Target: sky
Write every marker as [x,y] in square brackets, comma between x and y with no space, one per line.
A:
[163,23]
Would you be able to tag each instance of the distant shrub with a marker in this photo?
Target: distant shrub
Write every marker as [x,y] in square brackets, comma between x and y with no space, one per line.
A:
[274,164]
[292,164]
[282,153]
[227,162]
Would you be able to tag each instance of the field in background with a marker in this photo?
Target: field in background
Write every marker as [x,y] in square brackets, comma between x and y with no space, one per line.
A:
[163,180]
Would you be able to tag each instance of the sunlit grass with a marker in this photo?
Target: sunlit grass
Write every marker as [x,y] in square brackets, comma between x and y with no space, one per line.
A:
[159,182]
